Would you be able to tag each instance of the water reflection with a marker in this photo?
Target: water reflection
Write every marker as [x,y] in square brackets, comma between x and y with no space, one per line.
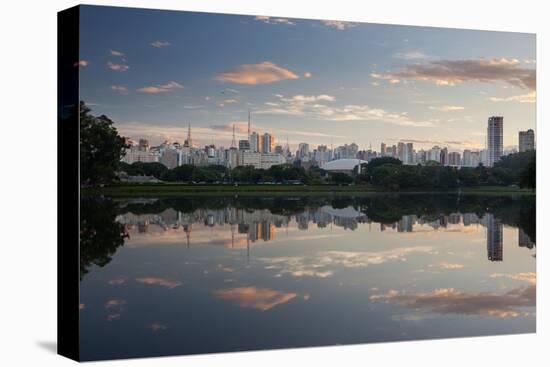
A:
[213,274]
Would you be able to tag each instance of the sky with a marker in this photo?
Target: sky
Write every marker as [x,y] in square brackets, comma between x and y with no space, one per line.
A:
[326,82]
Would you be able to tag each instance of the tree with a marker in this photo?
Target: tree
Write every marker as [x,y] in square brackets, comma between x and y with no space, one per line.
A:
[100,234]
[528,176]
[101,148]
[154,169]
[340,178]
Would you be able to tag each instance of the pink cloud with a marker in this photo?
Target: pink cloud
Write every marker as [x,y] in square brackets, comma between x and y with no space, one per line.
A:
[161,88]
[117,67]
[252,74]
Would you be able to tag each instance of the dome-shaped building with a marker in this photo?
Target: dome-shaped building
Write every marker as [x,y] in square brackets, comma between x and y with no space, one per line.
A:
[342,165]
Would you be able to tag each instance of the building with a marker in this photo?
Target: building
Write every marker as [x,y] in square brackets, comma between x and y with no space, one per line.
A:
[454,159]
[232,157]
[249,158]
[444,157]
[347,151]
[279,150]
[524,240]
[170,158]
[136,154]
[343,165]
[322,155]
[382,149]
[434,154]
[495,129]
[494,238]
[409,154]
[268,143]
[255,142]
[484,156]
[401,151]
[303,151]
[526,140]
[267,160]
[244,145]
[260,160]
[143,145]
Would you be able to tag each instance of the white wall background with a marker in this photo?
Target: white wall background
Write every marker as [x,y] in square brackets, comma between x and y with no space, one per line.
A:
[28,181]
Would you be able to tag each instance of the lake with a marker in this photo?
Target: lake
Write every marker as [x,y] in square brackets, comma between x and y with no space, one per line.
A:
[190,275]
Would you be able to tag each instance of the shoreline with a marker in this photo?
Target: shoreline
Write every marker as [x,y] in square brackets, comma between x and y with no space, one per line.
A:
[157,190]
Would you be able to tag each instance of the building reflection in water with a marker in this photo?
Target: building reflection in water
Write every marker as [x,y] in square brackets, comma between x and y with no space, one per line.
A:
[261,224]
[494,238]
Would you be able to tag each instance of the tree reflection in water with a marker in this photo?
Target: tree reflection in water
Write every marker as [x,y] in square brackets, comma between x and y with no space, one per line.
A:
[101,234]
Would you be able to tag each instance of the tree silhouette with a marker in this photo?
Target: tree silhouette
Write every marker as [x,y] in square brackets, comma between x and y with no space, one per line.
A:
[101,148]
[100,234]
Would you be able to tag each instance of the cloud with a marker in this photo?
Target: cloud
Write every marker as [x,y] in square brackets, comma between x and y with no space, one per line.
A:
[157,326]
[252,74]
[323,264]
[227,101]
[410,55]
[117,281]
[452,301]
[530,278]
[524,98]
[117,53]
[251,297]
[114,303]
[117,67]
[447,108]
[160,44]
[307,74]
[338,24]
[240,127]
[314,106]
[113,316]
[270,20]
[81,63]
[447,266]
[159,281]
[452,72]
[119,89]
[162,88]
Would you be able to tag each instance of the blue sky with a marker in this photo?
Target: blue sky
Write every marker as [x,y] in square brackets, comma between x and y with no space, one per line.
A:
[320,82]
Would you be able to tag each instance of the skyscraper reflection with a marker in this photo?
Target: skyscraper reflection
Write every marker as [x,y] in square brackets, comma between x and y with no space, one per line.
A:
[494,238]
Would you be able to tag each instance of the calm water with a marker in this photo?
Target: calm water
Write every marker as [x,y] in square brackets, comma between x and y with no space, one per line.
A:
[218,274]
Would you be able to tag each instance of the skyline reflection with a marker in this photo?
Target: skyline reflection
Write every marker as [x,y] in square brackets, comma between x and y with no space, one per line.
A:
[166,275]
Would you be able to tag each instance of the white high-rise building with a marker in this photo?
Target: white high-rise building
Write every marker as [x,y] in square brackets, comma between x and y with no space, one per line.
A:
[255,143]
[495,129]
[268,142]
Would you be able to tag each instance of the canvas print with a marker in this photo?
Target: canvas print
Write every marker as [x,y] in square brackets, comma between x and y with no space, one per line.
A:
[259,182]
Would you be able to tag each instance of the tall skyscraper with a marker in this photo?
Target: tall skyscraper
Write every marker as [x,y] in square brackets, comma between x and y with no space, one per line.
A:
[268,143]
[401,151]
[495,129]
[526,140]
[382,149]
[189,141]
[255,143]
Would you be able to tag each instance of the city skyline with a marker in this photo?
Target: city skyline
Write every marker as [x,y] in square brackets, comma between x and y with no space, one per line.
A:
[323,82]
